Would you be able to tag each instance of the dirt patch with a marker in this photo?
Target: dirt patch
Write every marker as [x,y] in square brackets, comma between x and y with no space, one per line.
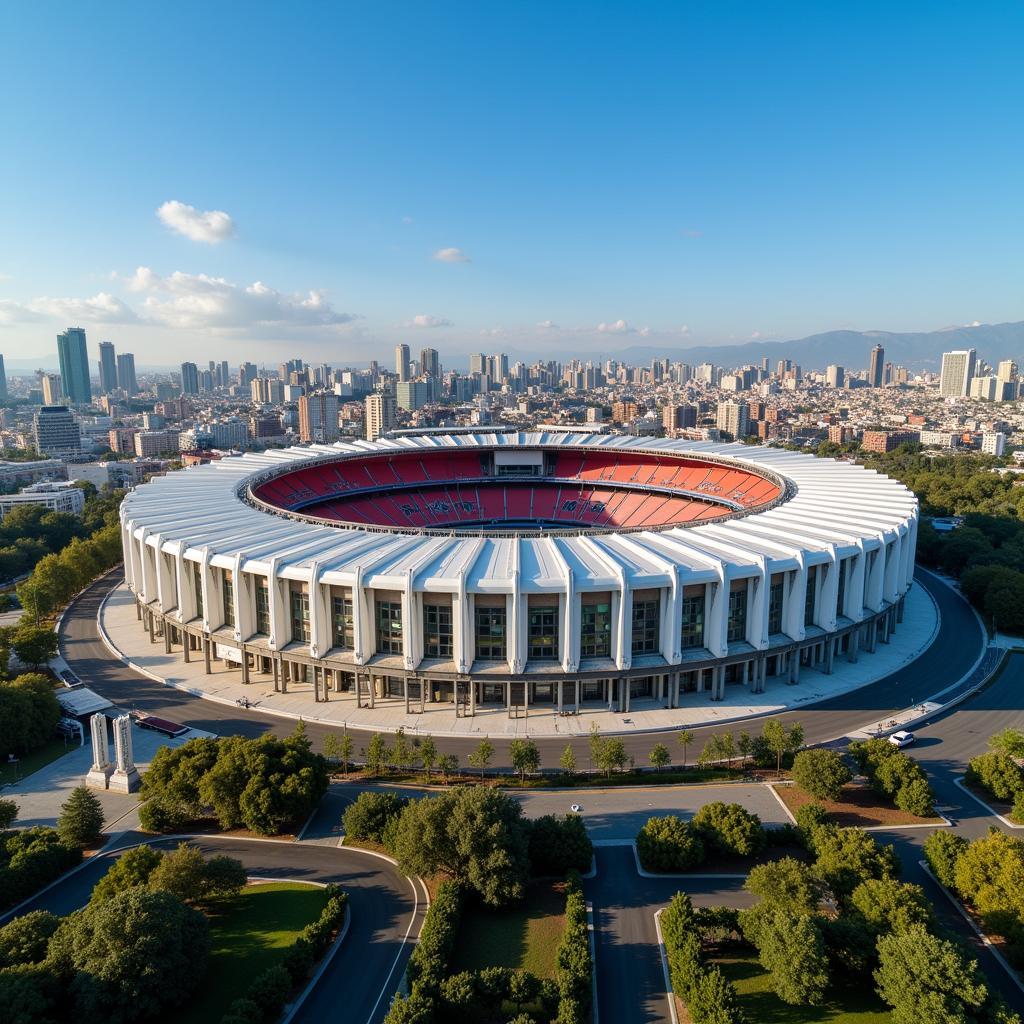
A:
[859,807]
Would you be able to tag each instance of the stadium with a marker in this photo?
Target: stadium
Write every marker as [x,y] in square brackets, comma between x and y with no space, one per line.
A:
[540,571]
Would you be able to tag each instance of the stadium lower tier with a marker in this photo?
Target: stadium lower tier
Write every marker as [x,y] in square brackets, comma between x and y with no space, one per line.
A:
[598,685]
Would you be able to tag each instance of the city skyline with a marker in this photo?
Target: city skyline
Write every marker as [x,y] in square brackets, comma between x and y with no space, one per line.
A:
[669,191]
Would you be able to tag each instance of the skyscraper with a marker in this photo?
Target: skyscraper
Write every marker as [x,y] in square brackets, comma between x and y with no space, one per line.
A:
[877,367]
[380,414]
[53,391]
[189,379]
[126,374]
[73,355]
[476,363]
[957,371]
[402,361]
[733,418]
[56,431]
[3,381]
[108,367]
[835,376]
[429,364]
[318,417]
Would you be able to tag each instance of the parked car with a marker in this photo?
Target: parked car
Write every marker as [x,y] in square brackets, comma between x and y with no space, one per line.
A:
[901,739]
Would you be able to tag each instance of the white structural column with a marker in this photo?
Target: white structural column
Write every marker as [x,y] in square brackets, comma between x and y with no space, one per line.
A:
[206,585]
[796,598]
[245,601]
[757,621]
[125,777]
[319,619]
[875,582]
[856,582]
[829,592]
[276,607]
[462,630]
[360,644]
[98,776]
[411,651]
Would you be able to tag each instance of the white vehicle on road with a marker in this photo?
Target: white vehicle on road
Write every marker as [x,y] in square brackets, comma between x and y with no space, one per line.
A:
[902,738]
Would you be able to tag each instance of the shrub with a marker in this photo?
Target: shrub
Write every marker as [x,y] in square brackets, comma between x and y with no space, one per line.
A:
[916,797]
[998,774]
[808,818]
[8,812]
[559,844]
[369,815]
[791,949]
[241,1011]
[848,856]
[989,875]
[669,844]
[31,858]
[574,967]
[428,964]
[886,905]
[942,850]
[785,884]
[729,829]
[269,992]
[821,773]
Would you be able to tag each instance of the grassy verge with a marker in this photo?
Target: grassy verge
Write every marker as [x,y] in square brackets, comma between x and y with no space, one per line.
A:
[249,933]
[525,936]
[40,758]
[843,1004]
[859,806]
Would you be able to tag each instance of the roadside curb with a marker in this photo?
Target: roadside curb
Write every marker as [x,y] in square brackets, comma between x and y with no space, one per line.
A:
[986,942]
[960,784]
[669,992]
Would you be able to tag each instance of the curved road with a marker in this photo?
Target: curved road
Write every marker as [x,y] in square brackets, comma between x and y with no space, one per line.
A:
[386,910]
[950,656]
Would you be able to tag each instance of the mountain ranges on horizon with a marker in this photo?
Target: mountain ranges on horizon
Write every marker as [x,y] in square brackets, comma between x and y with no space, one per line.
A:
[916,350]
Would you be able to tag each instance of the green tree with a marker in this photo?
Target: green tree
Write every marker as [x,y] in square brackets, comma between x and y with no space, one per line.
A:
[369,815]
[567,762]
[594,742]
[80,822]
[791,950]
[997,773]
[29,713]
[182,873]
[925,978]
[345,746]
[24,939]
[447,765]
[611,756]
[8,812]
[989,875]
[785,884]
[660,757]
[745,747]
[525,757]
[34,645]
[401,752]
[847,856]
[428,754]
[225,876]
[558,845]
[1008,741]
[477,835]
[481,757]
[942,850]
[821,773]
[684,738]
[131,869]
[887,905]
[729,829]
[668,843]
[131,957]
[377,755]
[782,741]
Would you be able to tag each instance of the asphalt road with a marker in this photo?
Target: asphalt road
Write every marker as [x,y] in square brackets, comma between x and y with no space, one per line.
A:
[386,915]
[951,656]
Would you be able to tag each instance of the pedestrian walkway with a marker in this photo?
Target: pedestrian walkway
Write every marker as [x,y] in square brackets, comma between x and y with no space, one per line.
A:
[124,635]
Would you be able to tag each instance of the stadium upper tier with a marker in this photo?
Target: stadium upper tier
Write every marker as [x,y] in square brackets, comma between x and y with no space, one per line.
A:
[544,490]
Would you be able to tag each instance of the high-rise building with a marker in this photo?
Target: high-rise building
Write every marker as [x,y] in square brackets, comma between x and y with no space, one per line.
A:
[267,391]
[189,379]
[318,417]
[223,374]
[246,374]
[957,371]
[3,381]
[477,364]
[108,367]
[993,444]
[835,376]
[380,414]
[53,390]
[402,362]
[126,374]
[877,367]
[73,355]
[414,394]
[430,366]
[56,431]
[733,418]
[1007,370]
[679,417]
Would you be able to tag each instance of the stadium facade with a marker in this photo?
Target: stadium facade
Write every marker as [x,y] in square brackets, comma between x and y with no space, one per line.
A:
[553,569]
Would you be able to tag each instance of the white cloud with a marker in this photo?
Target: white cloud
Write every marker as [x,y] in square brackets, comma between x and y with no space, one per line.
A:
[685,329]
[426,320]
[12,312]
[618,327]
[198,301]
[451,255]
[547,325]
[210,226]
[645,332]
[102,308]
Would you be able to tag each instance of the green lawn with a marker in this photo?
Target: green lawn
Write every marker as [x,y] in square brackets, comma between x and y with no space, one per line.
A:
[525,936]
[30,763]
[843,1005]
[248,933]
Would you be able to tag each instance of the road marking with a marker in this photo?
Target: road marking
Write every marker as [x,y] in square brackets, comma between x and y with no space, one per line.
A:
[959,782]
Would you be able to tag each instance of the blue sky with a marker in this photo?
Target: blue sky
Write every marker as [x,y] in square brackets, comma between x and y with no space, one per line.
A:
[606,174]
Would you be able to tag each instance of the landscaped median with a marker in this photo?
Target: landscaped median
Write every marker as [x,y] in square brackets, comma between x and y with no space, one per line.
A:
[835,937]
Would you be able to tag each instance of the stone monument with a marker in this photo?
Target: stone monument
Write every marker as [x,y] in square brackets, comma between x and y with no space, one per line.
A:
[99,774]
[125,778]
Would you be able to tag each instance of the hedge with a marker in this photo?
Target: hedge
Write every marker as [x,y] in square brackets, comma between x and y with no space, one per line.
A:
[895,775]
[31,858]
[575,969]
[708,997]
[669,844]
[270,989]
[998,774]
